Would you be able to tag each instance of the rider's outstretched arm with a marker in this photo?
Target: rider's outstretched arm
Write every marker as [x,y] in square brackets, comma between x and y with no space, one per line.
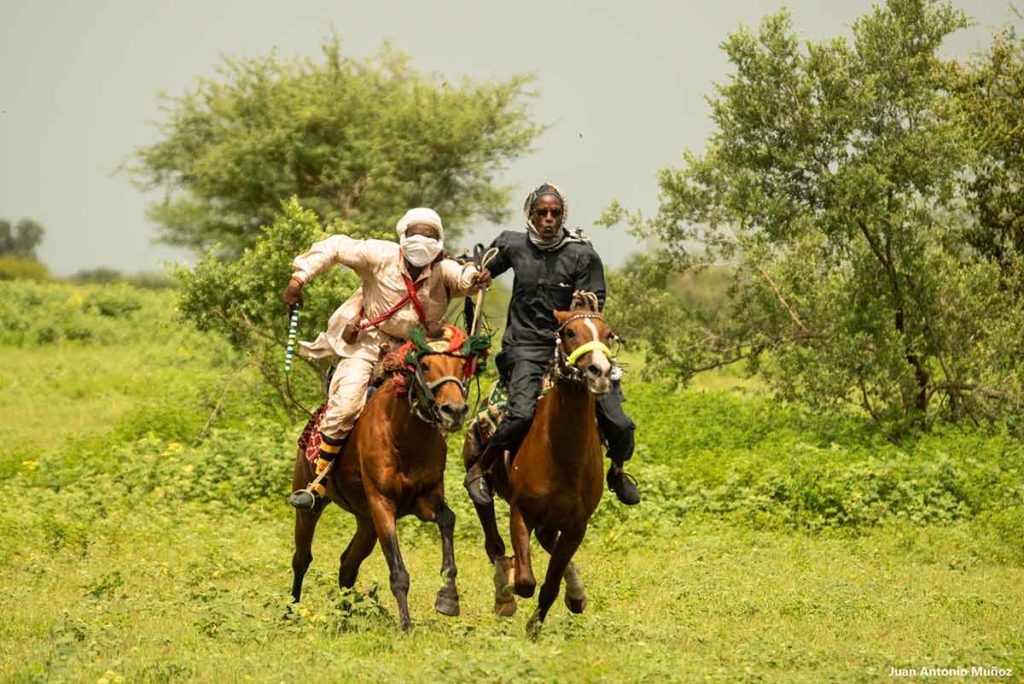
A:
[359,255]
[459,279]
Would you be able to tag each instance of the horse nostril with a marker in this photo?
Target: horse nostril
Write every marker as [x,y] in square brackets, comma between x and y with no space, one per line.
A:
[456,412]
[594,370]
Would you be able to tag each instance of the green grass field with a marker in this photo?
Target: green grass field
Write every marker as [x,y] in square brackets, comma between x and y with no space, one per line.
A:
[139,543]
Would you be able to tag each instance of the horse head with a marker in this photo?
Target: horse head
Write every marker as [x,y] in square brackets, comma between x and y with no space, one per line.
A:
[583,336]
[444,364]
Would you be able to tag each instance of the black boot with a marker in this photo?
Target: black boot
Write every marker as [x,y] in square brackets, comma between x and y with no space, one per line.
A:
[623,484]
[476,477]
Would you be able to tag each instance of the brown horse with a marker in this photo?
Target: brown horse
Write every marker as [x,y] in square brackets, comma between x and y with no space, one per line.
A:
[393,464]
[554,483]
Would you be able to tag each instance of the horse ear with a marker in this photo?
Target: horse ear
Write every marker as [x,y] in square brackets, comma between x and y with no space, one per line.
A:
[562,316]
[586,301]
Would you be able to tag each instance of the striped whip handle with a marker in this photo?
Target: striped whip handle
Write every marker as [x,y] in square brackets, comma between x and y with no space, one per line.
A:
[293,329]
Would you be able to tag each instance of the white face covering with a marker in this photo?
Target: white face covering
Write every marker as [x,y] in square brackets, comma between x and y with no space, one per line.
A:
[420,250]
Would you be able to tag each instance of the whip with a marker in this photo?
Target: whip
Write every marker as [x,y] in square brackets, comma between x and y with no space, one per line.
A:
[293,329]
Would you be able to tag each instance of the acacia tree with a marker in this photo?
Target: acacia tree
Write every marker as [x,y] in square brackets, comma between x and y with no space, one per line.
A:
[356,140]
[831,186]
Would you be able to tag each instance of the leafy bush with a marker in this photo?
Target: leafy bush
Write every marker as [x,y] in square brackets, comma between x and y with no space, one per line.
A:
[770,465]
[49,313]
[18,268]
[241,300]
[153,280]
[101,275]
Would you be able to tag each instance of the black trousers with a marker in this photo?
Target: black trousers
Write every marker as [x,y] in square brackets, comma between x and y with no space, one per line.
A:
[523,377]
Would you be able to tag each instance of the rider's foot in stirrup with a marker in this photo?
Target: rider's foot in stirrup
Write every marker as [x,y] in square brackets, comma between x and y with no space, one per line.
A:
[303,500]
[309,498]
[624,485]
[478,487]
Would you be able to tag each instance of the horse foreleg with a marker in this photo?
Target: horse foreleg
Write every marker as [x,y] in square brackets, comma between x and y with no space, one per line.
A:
[575,592]
[524,584]
[494,545]
[562,555]
[383,512]
[447,602]
[434,509]
[356,552]
[305,527]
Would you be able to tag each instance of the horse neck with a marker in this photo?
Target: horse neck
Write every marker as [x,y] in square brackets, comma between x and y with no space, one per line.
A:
[572,425]
[400,416]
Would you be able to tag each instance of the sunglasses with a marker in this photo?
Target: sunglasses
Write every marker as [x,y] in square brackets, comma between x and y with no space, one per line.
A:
[556,213]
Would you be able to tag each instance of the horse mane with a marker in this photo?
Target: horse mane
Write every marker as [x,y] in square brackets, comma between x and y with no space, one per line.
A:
[585,301]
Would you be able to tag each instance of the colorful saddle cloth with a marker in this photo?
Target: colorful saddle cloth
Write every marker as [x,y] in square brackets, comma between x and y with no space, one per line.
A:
[309,441]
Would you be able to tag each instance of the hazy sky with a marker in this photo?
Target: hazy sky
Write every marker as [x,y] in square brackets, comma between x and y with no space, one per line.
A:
[79,83]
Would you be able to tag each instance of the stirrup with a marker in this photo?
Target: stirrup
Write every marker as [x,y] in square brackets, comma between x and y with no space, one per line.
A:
[307,499]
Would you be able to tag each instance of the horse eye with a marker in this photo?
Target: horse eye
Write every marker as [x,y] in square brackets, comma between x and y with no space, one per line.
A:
[570,333]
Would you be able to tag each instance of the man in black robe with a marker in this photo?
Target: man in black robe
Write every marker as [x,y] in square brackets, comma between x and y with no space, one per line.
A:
[550,263]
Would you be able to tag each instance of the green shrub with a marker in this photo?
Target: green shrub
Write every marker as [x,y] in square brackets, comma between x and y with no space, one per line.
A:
[17,268]
[53,312]
[100,275]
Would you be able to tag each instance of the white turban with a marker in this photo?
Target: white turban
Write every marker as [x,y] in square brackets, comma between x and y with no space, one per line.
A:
[419,215]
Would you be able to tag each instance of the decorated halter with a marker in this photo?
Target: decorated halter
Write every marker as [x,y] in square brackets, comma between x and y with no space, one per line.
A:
[405,366]
[565,364]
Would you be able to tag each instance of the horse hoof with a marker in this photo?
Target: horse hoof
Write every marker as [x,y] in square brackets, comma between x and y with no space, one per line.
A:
[446,605]
[576,605]
[525,589]
[505,608]
[534,625]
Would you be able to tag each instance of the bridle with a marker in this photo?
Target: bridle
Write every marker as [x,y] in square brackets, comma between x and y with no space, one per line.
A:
[565,364]
[422,397]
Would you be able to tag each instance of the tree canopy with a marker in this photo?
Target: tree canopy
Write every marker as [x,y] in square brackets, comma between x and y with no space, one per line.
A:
[834,186]
[20,240]
[360,140]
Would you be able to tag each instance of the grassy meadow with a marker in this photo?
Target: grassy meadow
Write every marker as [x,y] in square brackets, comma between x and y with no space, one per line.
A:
[144,535]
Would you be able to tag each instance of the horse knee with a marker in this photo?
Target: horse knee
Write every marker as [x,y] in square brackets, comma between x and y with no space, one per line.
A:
[399,579]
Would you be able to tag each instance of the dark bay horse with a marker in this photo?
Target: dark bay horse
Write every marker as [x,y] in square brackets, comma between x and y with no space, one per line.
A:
[393,464]
[555,481]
